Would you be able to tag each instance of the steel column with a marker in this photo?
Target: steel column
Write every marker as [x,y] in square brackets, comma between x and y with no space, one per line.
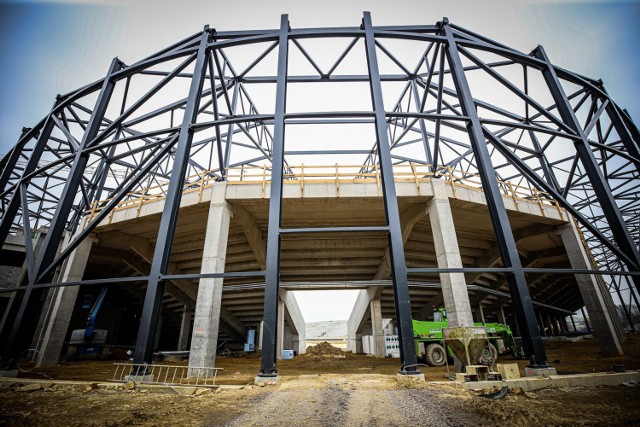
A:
[408,357]
[585,154]
[633,294]
[522,304]
[74,181]
[162,252]
[628,134]
[8,163]
[272,275]
[14,203]
[54,235]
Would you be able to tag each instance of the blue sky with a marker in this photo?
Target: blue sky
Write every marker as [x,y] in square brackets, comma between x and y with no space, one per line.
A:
[51,47]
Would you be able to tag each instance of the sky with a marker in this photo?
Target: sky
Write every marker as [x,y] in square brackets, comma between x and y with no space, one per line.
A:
[54,47]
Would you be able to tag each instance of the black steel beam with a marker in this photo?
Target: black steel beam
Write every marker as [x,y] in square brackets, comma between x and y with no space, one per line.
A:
[9,162]
[13,206]
[523,306]
[28,305]
[272,276]
[585,154]
[363,229]
[162,252]
[74,181]
[627,132]
[408,357]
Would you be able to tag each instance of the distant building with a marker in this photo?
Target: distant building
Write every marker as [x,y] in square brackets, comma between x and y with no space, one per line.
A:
[332,331]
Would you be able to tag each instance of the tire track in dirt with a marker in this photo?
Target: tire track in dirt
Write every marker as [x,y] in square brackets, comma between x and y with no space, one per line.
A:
[303,401]
[333,400]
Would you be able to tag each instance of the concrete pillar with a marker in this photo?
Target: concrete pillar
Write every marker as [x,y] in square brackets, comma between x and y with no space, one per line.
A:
[280,331]
[51,294]
[206,322]
[454,287]
[287,338]
[481,311]
[543,329]
[564,324]
[296,322]
[359,315]
[594,298]
[501,317]
[376,327]
[185,330]
[586,321]
[64,300]
[553,329]
[573,322]
[558,324]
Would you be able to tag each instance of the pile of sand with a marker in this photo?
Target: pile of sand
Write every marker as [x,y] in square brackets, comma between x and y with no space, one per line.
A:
[323,349]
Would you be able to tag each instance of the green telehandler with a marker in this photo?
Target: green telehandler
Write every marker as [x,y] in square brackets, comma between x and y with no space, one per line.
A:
[430,345]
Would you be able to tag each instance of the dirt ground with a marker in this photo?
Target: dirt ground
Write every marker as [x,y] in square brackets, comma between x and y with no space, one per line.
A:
[354,390]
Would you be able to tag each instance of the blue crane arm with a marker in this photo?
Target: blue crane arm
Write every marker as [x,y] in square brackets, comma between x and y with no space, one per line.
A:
[91,321]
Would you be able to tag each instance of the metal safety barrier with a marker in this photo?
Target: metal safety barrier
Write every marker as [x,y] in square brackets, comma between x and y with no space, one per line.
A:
[165,374]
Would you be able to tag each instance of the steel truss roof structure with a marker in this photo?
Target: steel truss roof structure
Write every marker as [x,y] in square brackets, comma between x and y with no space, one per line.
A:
[435,95]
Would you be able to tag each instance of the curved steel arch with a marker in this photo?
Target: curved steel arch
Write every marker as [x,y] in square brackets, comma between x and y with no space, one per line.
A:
[441,96]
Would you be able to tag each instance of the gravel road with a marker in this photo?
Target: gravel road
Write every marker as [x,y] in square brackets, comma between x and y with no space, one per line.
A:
[350,400]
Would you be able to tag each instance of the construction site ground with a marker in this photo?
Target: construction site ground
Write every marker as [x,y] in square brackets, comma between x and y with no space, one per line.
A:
[322,390]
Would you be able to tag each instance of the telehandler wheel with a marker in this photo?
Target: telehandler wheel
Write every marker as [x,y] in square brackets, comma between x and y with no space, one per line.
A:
[489,355]
[435,355]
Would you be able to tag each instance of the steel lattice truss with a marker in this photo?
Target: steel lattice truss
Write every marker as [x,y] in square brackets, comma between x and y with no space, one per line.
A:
[545,128]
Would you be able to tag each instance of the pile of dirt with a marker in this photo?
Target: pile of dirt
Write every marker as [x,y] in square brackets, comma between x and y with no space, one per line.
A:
[325,349]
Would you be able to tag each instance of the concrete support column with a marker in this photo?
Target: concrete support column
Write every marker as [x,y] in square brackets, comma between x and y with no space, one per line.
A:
[481,311]
[206,322]
[454,287]
[573,322]
[543,329]
[296,321]
[586,321]
[359,315]
[185,330]
[556,322]
[287,338]
[64,300]
[594,298]
[280,331]
[553,328]
[376,327]
[50,299]
[501,317]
